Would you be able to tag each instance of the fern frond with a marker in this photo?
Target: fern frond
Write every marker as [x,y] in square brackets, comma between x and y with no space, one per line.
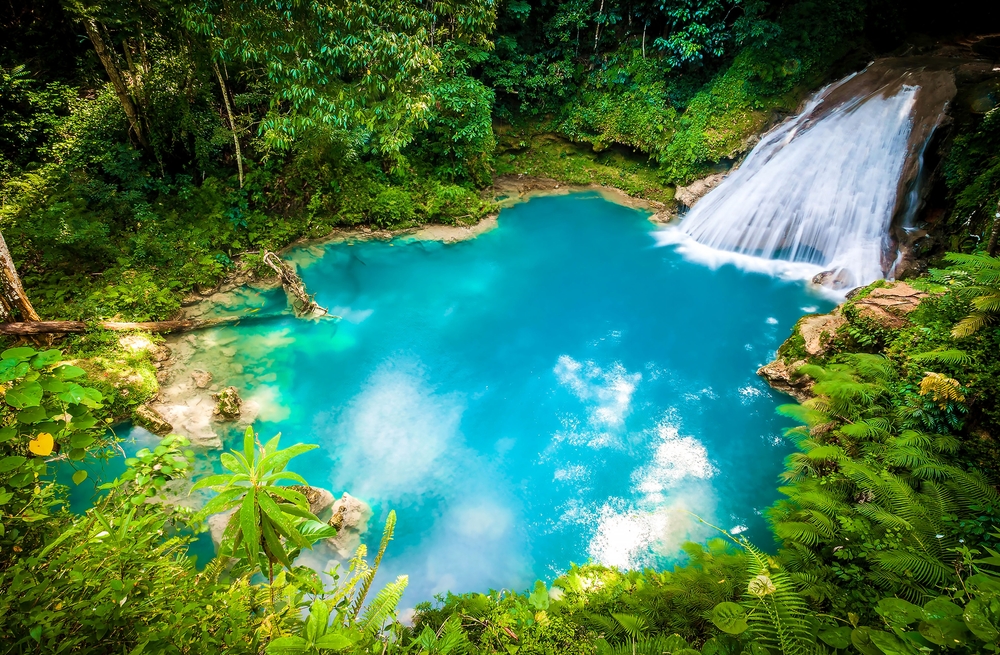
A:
[922,567]
[383,607]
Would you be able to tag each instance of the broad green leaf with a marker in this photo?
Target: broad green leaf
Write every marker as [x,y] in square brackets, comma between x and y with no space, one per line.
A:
[316,623]
[837,637]
[899,613]
[12,462]
[273,512]
[981,621]
[82,441]
[211,481]
[69,372]
[943,632]
[861,637]
[248,523]
[79,476]
[224,501]
[273,543]
[11,369]
[277,461]
[890,644]
[18,353]
[25,394]
[290,495]
[32,415]
[730,618]
[316,530]
[333,641]
[230,462]
[287,646]
[539,598]
[248,444]
[47,358]
[941,608]
[6,434]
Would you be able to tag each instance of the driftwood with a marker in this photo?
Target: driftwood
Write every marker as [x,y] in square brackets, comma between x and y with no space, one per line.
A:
[29,328]
[294,286]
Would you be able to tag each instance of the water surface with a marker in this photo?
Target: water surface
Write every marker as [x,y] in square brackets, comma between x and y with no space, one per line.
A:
[557,390]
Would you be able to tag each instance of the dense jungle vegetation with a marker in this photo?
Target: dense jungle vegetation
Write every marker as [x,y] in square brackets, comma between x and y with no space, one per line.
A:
[151,149]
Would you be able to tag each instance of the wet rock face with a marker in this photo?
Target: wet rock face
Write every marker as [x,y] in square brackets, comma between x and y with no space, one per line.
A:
[350,517]
[152,420]
[838,280]
[228,403]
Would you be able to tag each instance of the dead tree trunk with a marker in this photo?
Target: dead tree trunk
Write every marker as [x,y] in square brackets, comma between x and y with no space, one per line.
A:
[13,299]
[290,280]
[31,328]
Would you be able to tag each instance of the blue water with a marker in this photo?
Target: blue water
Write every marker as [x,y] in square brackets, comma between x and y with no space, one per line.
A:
[556,390]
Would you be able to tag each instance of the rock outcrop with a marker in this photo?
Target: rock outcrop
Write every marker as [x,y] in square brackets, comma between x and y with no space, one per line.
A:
[783,377]
[228,403]
[217,524]
[691,194]
[201,378]
[817,331]
[320,500]
[888,306]
[152,420]
[350,517]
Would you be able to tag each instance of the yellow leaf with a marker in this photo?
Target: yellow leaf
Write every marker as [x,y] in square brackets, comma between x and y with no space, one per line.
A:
[41,444]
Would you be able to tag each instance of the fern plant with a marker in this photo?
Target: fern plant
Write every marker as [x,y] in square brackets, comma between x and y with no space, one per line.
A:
[978,280]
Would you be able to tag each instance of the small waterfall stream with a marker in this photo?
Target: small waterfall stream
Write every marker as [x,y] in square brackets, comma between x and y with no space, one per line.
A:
[824,190]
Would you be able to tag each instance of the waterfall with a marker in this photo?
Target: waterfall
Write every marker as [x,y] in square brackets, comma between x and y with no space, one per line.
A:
[821,191]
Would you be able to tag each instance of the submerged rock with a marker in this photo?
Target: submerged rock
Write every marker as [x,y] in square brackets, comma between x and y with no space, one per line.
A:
[350,517]
[837,279]
[201,378]
[228,403]
[320,500]
[152,420]
[783,377]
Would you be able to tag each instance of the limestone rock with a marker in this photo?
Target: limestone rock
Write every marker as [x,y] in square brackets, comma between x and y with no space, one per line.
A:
[320,500]
[201,378]
[228,404]
[350,517]
[782,377]
[217,525]
[152,420]
[837,279]
[818,330]
[161,354]
[888,306]
[691,194]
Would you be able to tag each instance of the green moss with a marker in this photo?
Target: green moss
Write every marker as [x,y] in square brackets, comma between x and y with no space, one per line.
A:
[527,152]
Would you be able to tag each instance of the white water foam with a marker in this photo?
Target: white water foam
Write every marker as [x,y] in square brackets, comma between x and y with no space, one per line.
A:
[814,195]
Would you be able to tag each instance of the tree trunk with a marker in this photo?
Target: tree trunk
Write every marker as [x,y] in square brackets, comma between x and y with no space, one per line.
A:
[12,295]
[597,32]
[644,40]
[121,90]
[991,248]
[232,121]
[32,328]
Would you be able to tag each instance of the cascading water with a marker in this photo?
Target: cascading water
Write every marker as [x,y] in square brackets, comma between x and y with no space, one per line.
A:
[822,190]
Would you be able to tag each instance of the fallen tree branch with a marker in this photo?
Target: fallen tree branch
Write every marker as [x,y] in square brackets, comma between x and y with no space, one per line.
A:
[29,328]
[293,285]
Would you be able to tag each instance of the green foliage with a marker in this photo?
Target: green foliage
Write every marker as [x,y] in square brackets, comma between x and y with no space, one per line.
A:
[265,513]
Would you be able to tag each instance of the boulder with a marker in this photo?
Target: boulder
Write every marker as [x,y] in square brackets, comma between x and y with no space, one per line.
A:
[201,378]
[320,500]
[152,420]
[217,525]
[228,403]
[782,377]
[350,517]
[817,331]
[691,194]
[837,279]
[888,306]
